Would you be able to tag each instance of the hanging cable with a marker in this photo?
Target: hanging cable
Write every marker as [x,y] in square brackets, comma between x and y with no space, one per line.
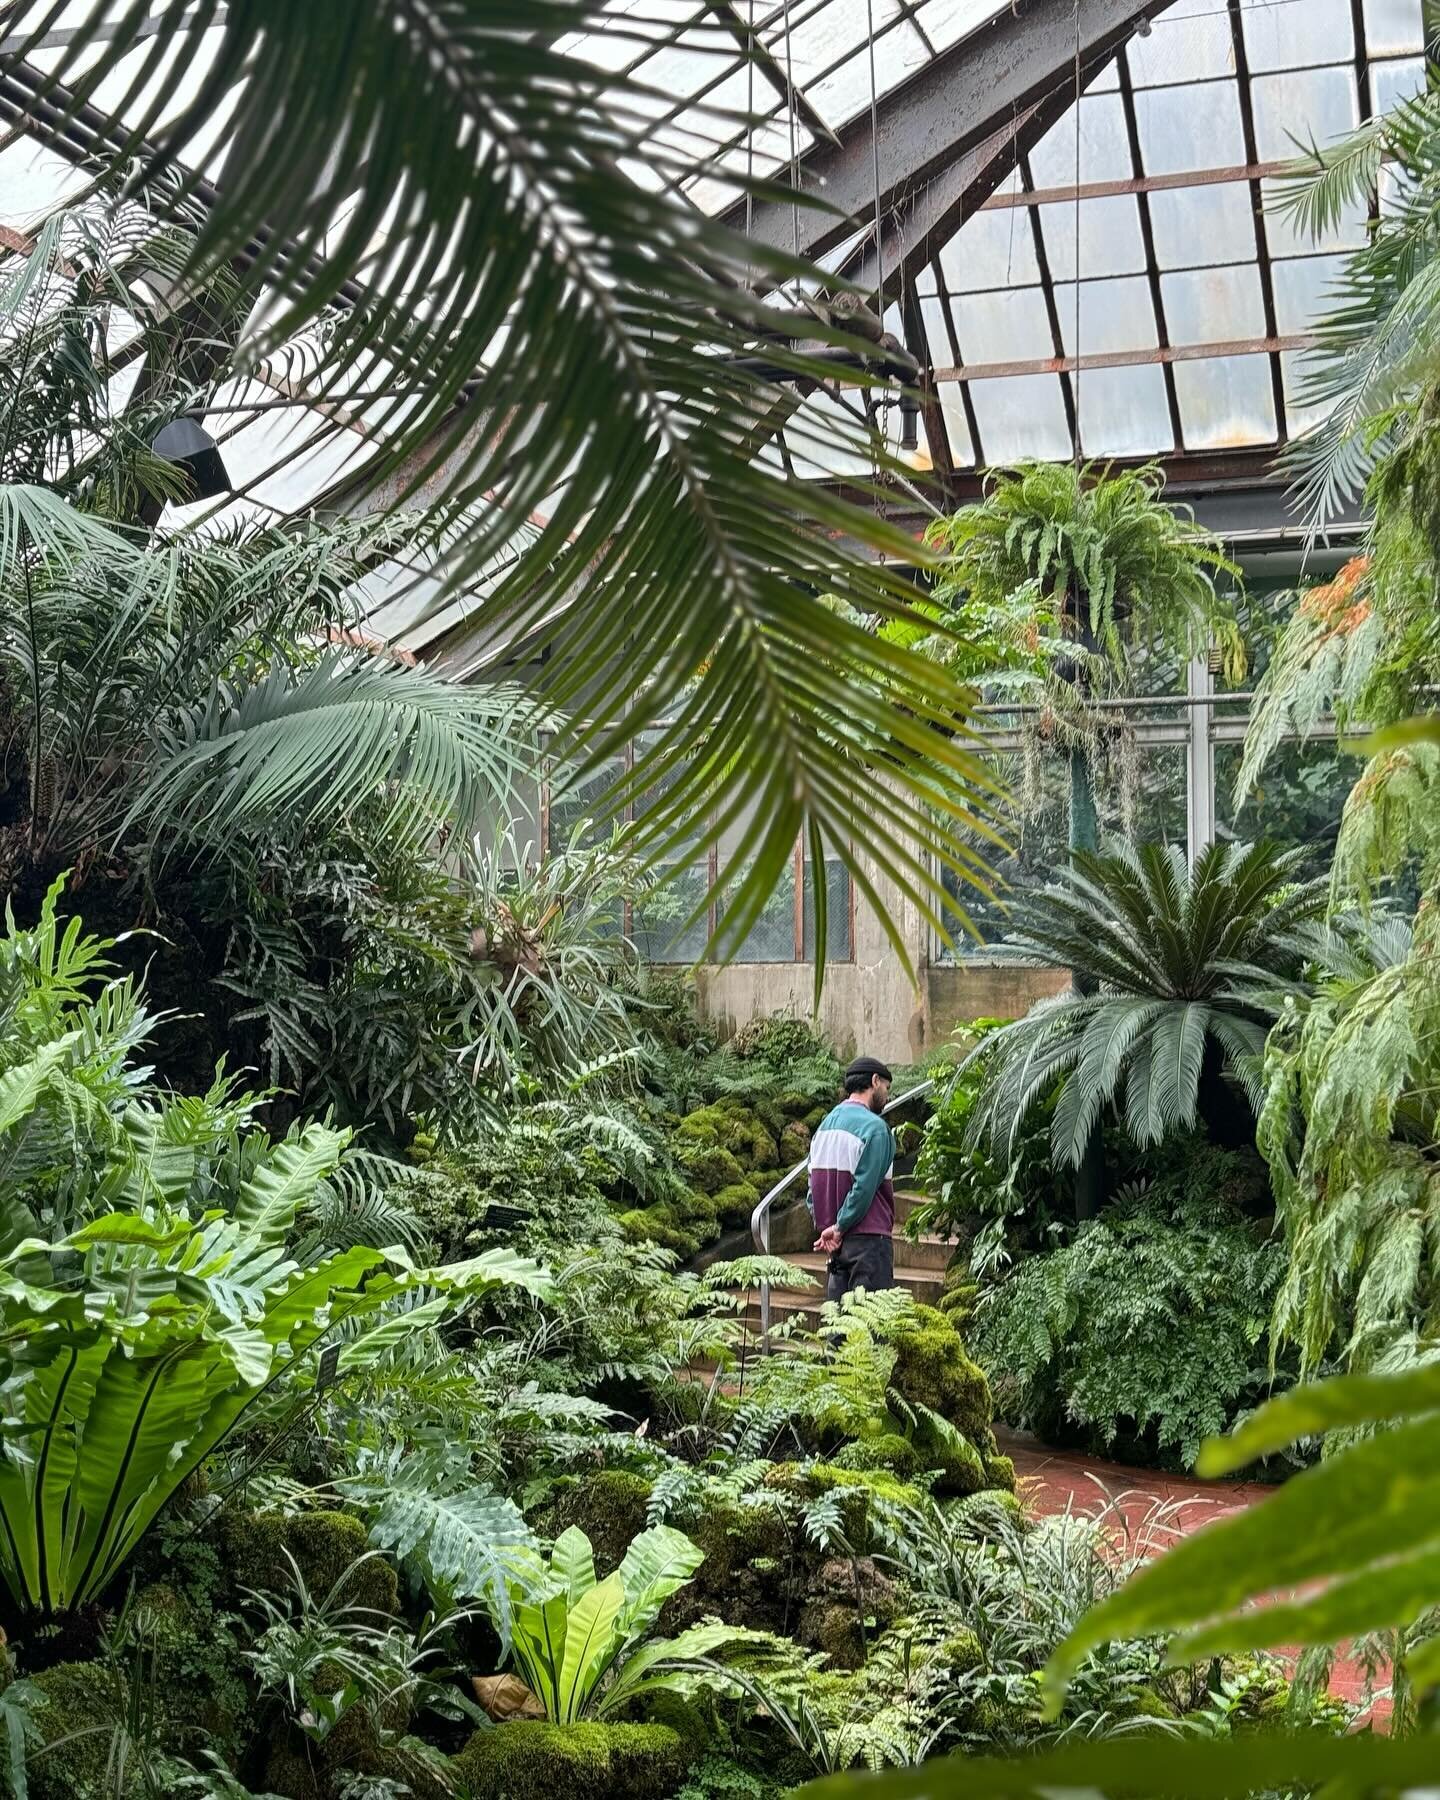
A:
[1075,382]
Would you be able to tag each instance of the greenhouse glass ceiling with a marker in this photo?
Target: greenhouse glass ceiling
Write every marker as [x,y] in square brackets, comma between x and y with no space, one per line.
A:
[1125,291]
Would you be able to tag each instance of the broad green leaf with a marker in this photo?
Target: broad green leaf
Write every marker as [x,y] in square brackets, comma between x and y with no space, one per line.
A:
[659,1663]
[593,1639]
[366,1350]
[1381,1595]
[658,1562]
[1141,1768]
[1424,730]
[573,1562]
[538,1639]
[284,1179]
[1321,1406]
[1381,1497]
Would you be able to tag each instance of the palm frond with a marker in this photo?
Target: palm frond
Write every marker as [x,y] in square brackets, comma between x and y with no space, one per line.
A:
[594,372]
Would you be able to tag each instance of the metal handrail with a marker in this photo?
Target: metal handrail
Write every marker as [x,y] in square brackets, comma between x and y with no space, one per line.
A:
[760,1218]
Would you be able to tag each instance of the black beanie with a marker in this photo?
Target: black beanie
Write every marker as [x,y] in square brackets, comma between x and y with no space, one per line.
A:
[870,1066]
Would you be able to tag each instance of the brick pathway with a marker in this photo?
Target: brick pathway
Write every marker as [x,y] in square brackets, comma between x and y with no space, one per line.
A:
[1050,1481]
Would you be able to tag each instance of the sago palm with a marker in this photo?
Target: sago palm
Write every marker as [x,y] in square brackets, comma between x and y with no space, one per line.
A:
[1177,964]
[440,193]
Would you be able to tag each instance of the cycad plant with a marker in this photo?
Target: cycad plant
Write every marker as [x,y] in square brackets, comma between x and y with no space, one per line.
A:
[1174,971]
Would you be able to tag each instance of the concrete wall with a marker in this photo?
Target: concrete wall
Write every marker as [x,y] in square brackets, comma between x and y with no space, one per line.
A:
[871,1004]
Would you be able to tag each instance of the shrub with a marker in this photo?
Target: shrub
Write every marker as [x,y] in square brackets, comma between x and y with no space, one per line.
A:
[1147,1331]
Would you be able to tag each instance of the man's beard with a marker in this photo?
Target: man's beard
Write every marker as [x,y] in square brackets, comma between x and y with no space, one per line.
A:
[876,1104]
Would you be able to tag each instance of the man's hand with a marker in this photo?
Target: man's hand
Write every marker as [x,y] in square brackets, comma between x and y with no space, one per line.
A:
[829,1240]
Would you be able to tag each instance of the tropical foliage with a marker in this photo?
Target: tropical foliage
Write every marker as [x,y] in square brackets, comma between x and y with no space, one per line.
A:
[1178,962]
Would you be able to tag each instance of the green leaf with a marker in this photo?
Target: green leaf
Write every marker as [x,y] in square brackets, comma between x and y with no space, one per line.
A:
[1377,1501]
[1318,1407]
[657,1564]
[1139,1768]
[573,1562]
[593,1638]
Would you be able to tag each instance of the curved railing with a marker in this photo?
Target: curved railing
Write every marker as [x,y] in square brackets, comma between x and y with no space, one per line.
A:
[760,1218]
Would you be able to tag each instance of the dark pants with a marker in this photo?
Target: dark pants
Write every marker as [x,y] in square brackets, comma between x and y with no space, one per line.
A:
[865,1259]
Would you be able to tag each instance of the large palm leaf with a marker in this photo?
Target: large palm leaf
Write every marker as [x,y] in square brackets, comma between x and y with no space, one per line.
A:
[1168,961]
[574,339]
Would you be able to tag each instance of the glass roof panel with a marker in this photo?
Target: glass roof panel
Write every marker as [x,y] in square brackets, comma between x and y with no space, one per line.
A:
[957,426]
[1226,402]
[993,249]
[1190,41]
[1197,225]
[1302,285]
[1393,26]
[1400,79]
[1110,238]
[1123,412]
[1021,416]
[1294,36]
[1283,240]
[33,180]
[1305,105]
[1114,315]
[1196,127]
[1294,373]
[1104,145]
[935,316]
[1002,327]
[1213,306]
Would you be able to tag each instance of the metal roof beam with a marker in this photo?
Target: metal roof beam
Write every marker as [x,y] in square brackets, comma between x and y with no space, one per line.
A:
[964,96]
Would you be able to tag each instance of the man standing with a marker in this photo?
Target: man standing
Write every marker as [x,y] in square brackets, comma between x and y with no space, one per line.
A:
[852,1199]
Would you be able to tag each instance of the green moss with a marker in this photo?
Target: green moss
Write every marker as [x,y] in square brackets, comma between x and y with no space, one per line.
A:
[1000,1472]
[851,1603]
[709,1166]
[960,1653]
[1147,1704]
[860,1486]
[889,1451]
[932,1369]
[735,1204]
[659,1225]
[534,1761]
[289,1772]
[609,1507]
[80,1698]
[323,1544]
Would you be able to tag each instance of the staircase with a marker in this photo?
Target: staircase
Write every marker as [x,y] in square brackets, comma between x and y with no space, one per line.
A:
[919,1265]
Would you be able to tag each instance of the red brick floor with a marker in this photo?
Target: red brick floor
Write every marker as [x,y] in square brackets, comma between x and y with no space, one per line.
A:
[1054,1481]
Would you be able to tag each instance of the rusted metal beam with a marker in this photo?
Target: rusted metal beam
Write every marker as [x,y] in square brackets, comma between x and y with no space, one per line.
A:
[962,97]
[1137,184]
[1127,359]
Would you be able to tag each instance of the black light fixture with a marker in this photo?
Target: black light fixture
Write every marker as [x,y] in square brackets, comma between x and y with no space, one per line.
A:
[909,420]
[187,442]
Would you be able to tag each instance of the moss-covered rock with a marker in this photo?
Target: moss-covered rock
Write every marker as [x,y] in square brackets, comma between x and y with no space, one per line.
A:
[81,1700]
[608,1506]
[851,1602]
[534,1761]
[794,1142]
[735,1204]
[960,1653]
[887,1451]
[709,1166]
[932,1369]
[323,1544]
[808,1481]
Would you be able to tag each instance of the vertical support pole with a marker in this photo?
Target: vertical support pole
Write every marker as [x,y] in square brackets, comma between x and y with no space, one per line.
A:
[1199,764]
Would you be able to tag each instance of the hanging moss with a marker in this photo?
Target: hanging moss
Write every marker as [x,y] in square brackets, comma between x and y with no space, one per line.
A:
[535,1761]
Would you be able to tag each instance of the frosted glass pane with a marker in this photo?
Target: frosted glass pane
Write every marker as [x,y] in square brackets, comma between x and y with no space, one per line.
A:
[841,96]
[1284,240]
[1190,41]
[945,22]
[33,179]
[957,426]
[1003,327]
[1197,225]
[1021,416]
[1292,110]
[1190,128]
[828,35]
[937,329]
[1110,238]
[1226,401]
[1301,290]
[993,249]
[1114,315]
[1290,37]
[1123,412]
[1393,27]
[1303,415]
[1213,306]
[1104,145]
[1391,82]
